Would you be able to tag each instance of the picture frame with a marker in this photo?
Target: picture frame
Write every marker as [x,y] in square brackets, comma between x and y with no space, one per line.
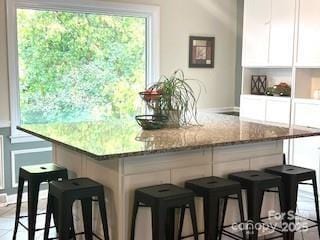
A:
[201,52]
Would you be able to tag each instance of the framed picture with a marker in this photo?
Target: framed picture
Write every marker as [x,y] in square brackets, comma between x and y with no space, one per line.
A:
[201,52]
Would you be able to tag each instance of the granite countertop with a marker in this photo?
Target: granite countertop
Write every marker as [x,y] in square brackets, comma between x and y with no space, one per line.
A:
[116,139]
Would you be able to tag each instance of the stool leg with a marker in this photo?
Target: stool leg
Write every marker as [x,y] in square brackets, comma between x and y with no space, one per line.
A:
[33,194]
[64,218]
[255,199]
[194,219]
[282,206]
[211,213]
[103,214]
[225,204]
[86,205]
[170,223]
[64,176]
[316,199]
[158,223]
[134,217]
[291,195]
[18,207]
[182,213]
[240,202]
[48,216]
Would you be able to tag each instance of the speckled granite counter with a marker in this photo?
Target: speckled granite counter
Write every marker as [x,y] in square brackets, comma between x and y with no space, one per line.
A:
[135,158]
[105,140]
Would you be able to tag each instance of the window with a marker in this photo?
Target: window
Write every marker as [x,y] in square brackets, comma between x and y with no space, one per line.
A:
[74,60]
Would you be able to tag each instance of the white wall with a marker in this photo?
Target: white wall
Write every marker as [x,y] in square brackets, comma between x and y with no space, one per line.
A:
[179,20]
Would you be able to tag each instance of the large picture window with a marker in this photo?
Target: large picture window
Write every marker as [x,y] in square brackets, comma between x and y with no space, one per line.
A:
[75,61]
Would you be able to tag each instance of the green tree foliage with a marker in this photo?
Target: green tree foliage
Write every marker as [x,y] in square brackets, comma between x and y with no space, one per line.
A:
[79,67]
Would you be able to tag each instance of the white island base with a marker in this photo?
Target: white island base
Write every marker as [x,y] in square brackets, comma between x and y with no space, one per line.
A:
[122,176]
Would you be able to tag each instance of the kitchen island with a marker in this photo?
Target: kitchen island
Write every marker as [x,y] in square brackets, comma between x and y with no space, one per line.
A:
[122,157]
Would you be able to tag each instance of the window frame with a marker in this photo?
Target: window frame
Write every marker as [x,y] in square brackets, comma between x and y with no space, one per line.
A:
[150,12]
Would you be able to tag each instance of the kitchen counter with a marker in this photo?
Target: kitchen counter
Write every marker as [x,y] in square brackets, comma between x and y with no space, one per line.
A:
[129,158]
[108,140]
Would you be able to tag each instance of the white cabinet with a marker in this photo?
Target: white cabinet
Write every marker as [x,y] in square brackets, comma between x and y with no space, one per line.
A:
[282,33]
[306,153]
[268,32]
[265,108]
[253,107]
[309,33]
[278,110]
[307,112]
[257,17]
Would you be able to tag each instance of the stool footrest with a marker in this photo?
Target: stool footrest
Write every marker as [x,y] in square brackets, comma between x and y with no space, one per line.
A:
[191,235]
[38,214]
[38,229]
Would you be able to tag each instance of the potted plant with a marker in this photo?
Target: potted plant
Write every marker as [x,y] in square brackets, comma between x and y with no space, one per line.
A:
[178,100]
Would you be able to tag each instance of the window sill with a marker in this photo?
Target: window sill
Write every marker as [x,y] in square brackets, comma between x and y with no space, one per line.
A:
[24,139]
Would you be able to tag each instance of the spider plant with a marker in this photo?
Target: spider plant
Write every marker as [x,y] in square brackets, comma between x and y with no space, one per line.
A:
[178,100]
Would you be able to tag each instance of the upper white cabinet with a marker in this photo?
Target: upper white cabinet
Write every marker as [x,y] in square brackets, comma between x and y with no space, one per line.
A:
[308,52]
[256,31]
[268,33]
[282,33]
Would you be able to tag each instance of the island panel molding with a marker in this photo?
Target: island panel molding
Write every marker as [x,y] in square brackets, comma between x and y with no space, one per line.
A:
[120,183]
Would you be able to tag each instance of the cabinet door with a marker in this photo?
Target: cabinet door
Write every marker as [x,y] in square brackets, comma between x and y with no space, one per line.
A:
[309,33]
[306,153]
[253,107]
[278,110]
[282,33]
[307,114]
[257,16]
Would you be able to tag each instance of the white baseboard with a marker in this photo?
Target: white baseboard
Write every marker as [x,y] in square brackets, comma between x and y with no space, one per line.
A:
[12,199]
[4,124]
[220,110]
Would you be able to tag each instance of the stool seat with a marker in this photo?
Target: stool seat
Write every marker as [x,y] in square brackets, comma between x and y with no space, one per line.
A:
[163,192]
[292,176]
[212,190]
[42,172]
[212,184]
[163,200]
[257,183]
[300,173]
[35,175]
[76,188]
[247,178]
[65,193]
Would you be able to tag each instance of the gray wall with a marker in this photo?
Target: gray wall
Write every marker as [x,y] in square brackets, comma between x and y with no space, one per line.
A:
[239,52]
[38,154]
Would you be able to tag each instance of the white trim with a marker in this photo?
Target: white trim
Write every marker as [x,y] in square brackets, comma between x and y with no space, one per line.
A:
[150,12]
[22,138]
[219,110]
[2,183]
[4,124]
[13,161]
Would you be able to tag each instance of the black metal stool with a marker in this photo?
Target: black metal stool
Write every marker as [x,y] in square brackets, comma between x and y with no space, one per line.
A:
[163,200]
[65,193]
[292,176]
[257,183]
[34,175]
[212,190]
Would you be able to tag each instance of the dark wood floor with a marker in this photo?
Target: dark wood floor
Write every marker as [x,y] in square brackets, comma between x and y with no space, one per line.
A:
[7,214]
